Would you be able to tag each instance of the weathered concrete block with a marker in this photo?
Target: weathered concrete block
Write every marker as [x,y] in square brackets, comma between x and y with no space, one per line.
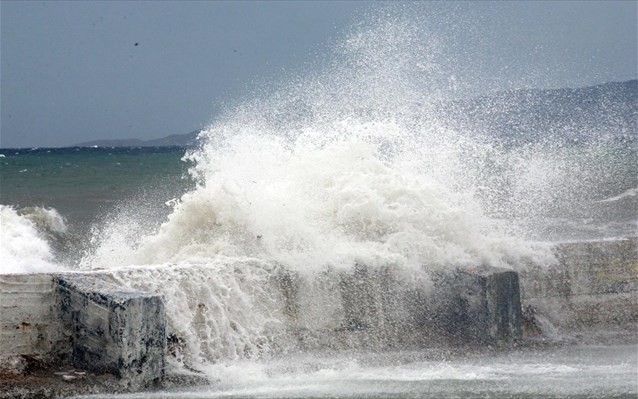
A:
[480,305]
[603,267]
[114,330]
[594,284]
[384,308]
[29,323]
[363,308]
[379,308]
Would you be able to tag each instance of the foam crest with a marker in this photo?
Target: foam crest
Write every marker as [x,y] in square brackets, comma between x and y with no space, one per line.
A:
[310,206]
[23,239]
[347,165]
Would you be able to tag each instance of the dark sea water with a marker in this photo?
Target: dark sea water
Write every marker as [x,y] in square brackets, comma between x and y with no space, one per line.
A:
[84,183]
[87,186]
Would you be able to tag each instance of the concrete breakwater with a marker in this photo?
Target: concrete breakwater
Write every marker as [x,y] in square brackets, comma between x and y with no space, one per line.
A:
[53,322]
[594,286]
[92,324]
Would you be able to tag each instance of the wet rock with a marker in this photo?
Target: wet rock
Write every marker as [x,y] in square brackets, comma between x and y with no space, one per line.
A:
[29,323]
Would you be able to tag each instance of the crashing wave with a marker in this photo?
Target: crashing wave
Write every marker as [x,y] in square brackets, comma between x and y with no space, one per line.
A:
[24,245]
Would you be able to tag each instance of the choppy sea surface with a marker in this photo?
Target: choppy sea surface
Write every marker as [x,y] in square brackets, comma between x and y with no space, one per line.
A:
[54,199]
[85,183]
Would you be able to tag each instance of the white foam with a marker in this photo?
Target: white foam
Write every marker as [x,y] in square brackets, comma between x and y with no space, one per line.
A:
[347,166]
[632,192]
[351,164]
[571,371]
[24,248]
[45,219]
[222,310]
[308,206]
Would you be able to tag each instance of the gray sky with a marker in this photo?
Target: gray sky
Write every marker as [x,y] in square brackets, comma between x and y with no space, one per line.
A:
[80,71]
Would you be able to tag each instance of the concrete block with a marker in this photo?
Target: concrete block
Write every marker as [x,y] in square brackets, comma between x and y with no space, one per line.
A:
[114,329]
[380,308]
[363,308]
[29,324]
[604,267]
[594,284]
[480,305]
[383,308]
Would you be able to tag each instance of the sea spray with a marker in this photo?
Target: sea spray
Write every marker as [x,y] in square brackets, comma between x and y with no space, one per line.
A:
[310,206]
[326,209]
[349,164]
[223,310]
[330,184]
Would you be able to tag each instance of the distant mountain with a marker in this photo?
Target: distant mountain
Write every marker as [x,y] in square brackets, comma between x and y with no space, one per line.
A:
[174,140]
[514,116]
[575,115]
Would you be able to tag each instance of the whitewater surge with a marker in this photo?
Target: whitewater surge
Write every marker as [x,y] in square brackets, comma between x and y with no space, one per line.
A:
[308,206]
[326,207]
[24,239]
[632,192]
[344,180]
[343,166]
